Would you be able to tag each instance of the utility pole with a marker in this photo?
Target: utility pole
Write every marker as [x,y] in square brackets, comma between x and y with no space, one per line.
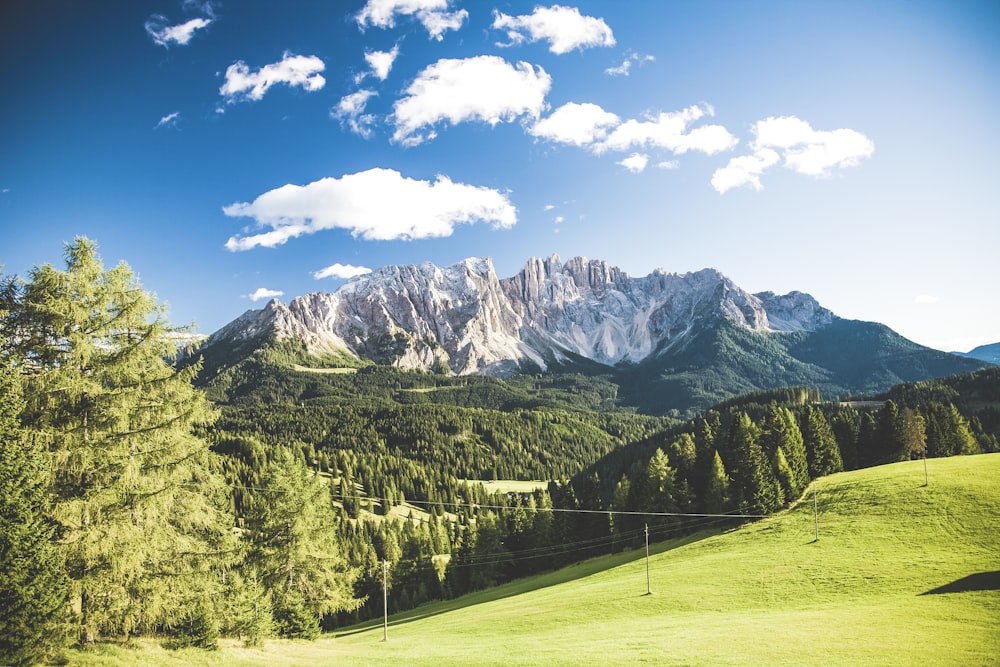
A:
[648,591]
[815,512]
[385,600]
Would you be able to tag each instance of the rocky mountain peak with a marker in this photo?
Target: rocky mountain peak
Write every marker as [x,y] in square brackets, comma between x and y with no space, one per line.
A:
[465,316]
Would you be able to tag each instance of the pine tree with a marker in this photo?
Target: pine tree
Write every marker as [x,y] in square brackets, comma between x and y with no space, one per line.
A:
[912,434]
[294,549]
[137,505]
[755,481]
[821,447]
[780,431]
[32,576]
[716,498]
[888,434]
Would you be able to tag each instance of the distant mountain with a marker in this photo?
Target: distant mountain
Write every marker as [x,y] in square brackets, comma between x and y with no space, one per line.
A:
[671,341]
[988,353]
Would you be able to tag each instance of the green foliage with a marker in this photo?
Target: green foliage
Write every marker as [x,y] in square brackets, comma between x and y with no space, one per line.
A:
[293,547]
[823,452]
[136,501]
[195,629]
[33,585]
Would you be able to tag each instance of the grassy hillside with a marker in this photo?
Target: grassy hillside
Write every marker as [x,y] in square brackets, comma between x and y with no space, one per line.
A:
[902,574]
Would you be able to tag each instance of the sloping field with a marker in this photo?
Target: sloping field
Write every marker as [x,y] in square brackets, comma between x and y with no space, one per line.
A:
[902,574]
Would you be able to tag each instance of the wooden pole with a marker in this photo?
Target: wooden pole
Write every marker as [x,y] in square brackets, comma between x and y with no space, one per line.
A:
[385,600]
[648,591]
[815,512]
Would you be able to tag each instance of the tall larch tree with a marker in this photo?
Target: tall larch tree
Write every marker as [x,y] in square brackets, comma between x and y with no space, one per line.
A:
[32,577]
[294,548]
[137,505]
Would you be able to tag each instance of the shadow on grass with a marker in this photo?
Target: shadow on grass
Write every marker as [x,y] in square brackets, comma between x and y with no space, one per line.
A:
[980,581]
[528,584]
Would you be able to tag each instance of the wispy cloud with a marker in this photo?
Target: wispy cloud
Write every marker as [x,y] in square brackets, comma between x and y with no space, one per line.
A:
[169,120]
[351,111]
[434,15]
[243,83]
[158,28]
[801,148]
[563,27]
[264,293]
[378,204]
[626,67]
[483,88]
[341,272]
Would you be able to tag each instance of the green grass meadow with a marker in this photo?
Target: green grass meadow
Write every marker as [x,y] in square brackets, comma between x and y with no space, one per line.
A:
[902,574]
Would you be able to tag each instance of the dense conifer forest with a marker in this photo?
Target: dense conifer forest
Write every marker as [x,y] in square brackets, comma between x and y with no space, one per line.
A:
[265,498]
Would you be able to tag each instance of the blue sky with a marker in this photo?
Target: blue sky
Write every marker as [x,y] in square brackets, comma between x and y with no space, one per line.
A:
[232,151]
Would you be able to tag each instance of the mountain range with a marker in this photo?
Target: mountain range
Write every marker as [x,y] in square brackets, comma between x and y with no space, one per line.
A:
[670,341]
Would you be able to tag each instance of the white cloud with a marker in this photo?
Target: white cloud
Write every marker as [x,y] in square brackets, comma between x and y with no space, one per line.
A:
[548,207]
[378,204]
[350,110]
[302,71]
[484,88]
[801,148]
[434,15]
[264,293]
[668,164]
[577,124]
[669,130]
[812,152]
[341,271]
[626,67]
[564,27]
[381,62]
[559,219]
[926,298]
[164,35]
[636,162]
[744,170]
[169,119]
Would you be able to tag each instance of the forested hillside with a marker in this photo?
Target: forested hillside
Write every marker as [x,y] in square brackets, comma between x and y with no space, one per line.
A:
[267,498]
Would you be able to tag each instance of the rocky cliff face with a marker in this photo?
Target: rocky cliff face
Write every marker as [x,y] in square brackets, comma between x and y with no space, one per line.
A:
[464,315]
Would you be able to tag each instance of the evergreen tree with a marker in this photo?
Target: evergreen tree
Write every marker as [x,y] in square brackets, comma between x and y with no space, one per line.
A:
[845,427]
[822,450]
[888,434]
[754,477]
[32,577]
[912,434]
[294,549]
[780,432]
[867,438]
[660,482]
[137,504]
[716,499]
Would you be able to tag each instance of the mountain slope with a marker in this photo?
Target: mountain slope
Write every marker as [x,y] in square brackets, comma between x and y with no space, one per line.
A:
[895,560]
[989,353]
[673,341]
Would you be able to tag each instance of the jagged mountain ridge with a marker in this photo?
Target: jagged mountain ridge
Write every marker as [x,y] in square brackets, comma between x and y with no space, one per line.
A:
[418,316]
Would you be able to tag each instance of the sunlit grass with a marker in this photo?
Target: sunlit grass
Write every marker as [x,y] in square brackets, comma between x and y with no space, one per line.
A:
[765,594]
